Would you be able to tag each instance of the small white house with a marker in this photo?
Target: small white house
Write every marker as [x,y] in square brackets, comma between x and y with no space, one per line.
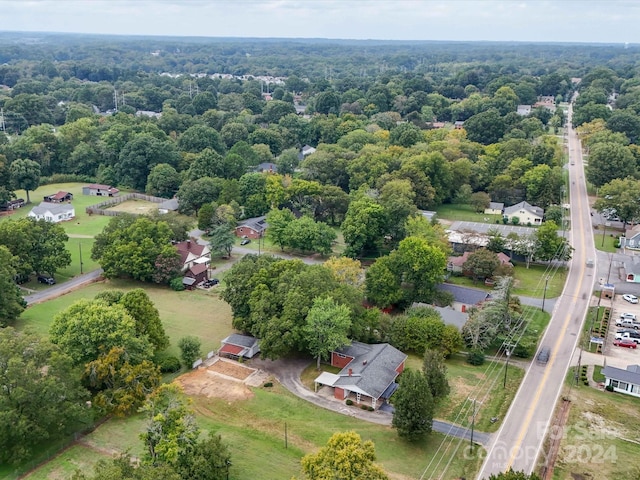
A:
[623,381]
[495,208]
[52,212]
[526,213]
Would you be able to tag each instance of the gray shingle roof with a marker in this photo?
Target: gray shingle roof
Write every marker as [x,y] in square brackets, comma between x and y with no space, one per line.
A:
[469,296]
[240,340]
[628,376]
[523,206]
[54,208]
[259,224]
[373,368]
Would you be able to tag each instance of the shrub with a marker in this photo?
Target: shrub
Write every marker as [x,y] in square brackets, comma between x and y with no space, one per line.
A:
[189,349]
[370,408]
[349,401]
[609,388]
[268,385]
[364,407]
[66,178]
[176,284]
[170,365]
[475,357]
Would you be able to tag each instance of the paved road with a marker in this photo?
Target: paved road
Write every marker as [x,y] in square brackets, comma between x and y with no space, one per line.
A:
[62,288]
[519,442]
[288,374]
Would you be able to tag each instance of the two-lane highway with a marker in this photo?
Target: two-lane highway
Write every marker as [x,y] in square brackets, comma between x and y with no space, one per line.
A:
[519,442]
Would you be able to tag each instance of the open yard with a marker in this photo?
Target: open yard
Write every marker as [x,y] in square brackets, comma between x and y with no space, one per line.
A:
[601,438]
[140,207]
[257,425]
[198,313]
[460,212]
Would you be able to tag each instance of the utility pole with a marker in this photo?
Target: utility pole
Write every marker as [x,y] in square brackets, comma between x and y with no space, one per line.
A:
[80,249]
[115,99]
[473,420]
[544,294]
[3,127]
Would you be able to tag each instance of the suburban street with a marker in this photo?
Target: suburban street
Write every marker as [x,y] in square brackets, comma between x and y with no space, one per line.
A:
[519,442]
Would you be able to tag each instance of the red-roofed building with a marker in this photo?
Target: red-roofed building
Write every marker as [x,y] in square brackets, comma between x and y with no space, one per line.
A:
[100,190]
[192,253]
[199,272]
[236,346]
[59,197]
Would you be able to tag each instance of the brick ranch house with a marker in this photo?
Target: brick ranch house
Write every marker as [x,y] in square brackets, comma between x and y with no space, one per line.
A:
[252,227]
[368,372]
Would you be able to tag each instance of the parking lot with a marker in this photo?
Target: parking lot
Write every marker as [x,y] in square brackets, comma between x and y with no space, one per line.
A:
[629,356]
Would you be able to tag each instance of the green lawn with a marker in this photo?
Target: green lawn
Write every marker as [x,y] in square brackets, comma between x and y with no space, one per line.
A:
[199,313]
[606,243]
[529,282]
[459,212]
[257,425]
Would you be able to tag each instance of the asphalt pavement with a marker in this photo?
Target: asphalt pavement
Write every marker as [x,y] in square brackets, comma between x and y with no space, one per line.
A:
[62,288]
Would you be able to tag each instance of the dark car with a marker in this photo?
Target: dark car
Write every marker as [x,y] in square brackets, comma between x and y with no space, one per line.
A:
[245,241]
[47,280]
[211,283]
[543,356]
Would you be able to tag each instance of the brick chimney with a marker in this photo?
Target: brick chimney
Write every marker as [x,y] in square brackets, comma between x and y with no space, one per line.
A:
[189,244]
[350,372]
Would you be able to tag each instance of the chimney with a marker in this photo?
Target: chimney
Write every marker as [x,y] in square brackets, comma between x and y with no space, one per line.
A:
[364,362]
[350,372]
[189,244]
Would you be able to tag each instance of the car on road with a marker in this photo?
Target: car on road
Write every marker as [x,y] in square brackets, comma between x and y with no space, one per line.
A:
[626,343]
[47,280]
[630,316]
[543,356]
[630,298]
[245,241]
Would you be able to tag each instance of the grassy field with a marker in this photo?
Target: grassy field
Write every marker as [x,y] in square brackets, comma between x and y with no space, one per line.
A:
[459,212]
[484,383]
[196,312]
[257,425]
[136,206]
[529,282]
[601,436]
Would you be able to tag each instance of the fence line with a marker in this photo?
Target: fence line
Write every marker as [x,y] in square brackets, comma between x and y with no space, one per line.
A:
[100,208]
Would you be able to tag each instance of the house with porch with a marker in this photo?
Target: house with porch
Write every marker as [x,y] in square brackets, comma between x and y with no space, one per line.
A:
[239,346]
[52,212]
[368,373]
[623,381]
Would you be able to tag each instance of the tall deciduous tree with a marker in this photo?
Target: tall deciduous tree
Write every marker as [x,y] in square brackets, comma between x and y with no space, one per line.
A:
[363,226]
[621,195]
[146,316]
[327,326]
[41,398]
[190,349]
[414,406]
[11,302]
[482,264]
[345,457]
[222,239]
[608,161]
[25,174]
[88,328]
[163,181]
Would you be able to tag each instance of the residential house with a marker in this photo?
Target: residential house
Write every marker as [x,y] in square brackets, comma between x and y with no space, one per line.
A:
[239,346]
[100,190]
[168,206]
[437,125]
[465,297]
[525,212]
[459,125]
[428,214]
[631,238]
[623,381]
[252,227]
[192,253]
[266,167]
[546,101]
[52,212]
[449,315]
[524,110]
[455,264]
[59,197]
[307,150]
[368,372]
[495,208]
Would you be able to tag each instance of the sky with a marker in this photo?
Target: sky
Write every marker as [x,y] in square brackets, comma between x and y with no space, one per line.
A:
[593,21]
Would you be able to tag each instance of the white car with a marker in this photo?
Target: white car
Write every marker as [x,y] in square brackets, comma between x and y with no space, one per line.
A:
[630,298]
[628,316]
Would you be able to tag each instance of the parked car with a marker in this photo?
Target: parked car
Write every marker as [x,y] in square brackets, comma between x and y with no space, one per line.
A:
[630,298]
[633,336]
[631,316]
[210,283]
[245,241]
[625,342]
[47,280]
[543,356]
[627,322]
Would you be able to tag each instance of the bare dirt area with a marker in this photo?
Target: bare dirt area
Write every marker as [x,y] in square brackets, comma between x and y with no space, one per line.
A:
[223,379]
[135,206]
